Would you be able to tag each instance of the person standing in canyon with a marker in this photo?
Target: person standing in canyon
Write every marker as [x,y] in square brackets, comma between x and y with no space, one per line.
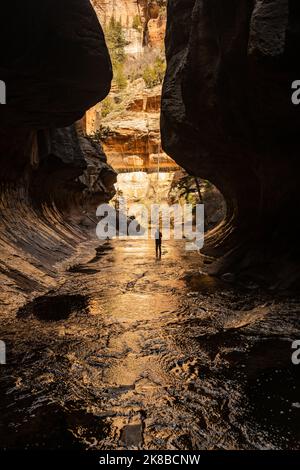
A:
[158,239]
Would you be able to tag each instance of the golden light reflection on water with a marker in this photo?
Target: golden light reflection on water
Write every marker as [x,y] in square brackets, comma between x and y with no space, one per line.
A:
[142,357]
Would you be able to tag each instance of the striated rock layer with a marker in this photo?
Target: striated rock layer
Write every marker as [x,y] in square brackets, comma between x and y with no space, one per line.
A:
[131,134]
[227,116]
[151,15]
[55,66]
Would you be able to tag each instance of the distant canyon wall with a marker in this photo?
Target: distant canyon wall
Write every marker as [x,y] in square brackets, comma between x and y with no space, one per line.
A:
[130,132]
[151,14]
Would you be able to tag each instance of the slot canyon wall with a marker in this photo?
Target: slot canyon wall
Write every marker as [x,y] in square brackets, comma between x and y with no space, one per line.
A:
[227,116]
[55,65]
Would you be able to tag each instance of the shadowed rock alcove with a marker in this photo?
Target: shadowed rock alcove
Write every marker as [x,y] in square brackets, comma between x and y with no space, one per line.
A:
[55,64]
[227,116]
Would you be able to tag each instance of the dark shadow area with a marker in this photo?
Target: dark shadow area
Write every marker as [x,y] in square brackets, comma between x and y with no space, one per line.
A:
[273,389]
[51,309]
[80,269]
[50,427]
[102,250]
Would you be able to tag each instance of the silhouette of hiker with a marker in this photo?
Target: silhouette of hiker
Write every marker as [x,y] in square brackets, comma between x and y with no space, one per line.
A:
[158,237]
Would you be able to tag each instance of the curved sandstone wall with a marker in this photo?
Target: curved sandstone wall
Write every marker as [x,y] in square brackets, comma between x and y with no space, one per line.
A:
[55,65]
[227,116]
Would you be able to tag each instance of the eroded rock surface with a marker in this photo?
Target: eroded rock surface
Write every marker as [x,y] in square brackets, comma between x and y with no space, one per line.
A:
[131,134]
[228,116]
[150,15]
[55,64]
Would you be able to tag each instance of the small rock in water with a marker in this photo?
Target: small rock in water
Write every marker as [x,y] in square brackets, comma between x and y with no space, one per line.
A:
[229,277]
[296,405]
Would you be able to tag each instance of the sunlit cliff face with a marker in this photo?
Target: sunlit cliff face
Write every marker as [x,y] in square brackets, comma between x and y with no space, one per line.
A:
[150,28]
[144,187]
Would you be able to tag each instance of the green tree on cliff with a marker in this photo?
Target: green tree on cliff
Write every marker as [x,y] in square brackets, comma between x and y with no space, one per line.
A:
[136,22]
[116,43]
[154,74]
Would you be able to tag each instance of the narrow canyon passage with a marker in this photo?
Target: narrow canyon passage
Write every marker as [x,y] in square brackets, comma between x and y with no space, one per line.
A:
[132,352]
[139,103]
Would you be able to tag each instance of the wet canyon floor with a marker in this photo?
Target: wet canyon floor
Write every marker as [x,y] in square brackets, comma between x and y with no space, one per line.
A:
[134,352]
